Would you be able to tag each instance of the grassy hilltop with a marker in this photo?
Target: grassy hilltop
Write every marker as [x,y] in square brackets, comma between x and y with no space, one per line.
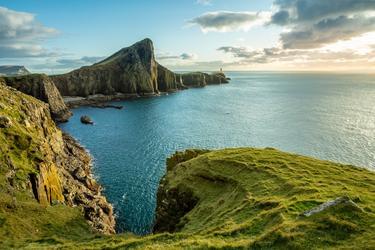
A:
[254,198]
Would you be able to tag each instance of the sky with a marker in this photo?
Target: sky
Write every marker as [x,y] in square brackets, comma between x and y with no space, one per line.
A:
[270,35]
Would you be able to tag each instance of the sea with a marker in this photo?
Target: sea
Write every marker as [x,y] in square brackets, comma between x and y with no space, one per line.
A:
[330,116]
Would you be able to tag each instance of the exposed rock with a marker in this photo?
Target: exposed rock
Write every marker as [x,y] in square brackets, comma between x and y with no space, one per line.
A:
[105,106]
[81,189]
[10,70]
[42,88]
[57,169]
[329,204]
[130,71]
[5,122]
[169,81]
[86,120]
[199,79]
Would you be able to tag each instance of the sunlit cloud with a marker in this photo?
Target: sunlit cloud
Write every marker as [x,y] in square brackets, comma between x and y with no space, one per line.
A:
[21,35]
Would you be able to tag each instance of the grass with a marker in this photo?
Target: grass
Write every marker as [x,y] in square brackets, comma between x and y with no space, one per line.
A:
[253,199]
[246,198]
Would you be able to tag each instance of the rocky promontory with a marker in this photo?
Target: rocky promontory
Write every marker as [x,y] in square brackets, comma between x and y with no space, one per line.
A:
[43,88]
[43,169]
[131,71]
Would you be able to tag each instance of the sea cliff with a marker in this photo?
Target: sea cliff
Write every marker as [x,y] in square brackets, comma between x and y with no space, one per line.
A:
[42,167]
[43,88]
[132,71]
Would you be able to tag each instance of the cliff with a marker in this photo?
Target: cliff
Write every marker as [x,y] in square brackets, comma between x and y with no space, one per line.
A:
[44,174]
[265,199]
[41,87]
[132,70]
[240,198]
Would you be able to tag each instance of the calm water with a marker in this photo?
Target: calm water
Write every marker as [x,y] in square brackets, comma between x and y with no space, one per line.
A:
[328,116]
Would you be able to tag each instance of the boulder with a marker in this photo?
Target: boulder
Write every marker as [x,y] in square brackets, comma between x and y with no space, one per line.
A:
[86,120]
[5,122]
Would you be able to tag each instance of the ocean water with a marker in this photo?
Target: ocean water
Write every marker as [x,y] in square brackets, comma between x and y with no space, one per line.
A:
[329,116]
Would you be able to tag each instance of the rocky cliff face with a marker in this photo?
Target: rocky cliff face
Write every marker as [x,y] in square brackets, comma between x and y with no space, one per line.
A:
[132,70]
[42,88]
[37,159]
[199,79]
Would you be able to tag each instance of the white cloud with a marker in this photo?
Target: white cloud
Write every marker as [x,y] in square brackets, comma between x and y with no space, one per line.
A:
[21,35]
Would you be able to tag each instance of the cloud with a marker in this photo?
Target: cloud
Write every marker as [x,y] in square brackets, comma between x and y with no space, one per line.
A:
[187,56]
[276,55]
[183,56]
[75,63]
[224,21]
[316,23]
[21,34]
[24,50]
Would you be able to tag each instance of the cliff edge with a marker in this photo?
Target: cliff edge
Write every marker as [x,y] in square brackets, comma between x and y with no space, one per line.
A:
[43,88]
[44,174]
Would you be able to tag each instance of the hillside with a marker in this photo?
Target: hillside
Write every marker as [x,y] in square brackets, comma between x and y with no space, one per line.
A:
[133,71]
[252,198]
[45,177]
[43,88]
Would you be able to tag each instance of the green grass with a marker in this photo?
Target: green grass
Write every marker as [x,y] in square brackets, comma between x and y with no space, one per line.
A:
[247,198]
[253,199]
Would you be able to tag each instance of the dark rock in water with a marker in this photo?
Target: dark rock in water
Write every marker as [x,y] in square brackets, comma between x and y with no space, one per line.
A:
[5,122]
[86,120]
[43,88]
[104,106]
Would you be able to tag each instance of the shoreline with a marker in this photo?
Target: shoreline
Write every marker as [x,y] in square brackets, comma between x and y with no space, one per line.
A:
[97,101]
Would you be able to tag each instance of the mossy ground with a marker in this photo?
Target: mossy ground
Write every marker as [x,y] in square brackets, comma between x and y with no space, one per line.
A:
[252,198]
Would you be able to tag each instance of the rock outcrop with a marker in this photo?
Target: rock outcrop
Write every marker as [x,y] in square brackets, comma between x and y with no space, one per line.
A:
[130,71]
[41,87]
[13,70]
[38,159]
[199,79]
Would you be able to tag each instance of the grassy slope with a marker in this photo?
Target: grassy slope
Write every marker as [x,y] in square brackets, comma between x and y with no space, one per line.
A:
[22,218]
[252,198]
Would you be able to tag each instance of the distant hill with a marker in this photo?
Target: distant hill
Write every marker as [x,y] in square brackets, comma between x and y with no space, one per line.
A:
[13,70]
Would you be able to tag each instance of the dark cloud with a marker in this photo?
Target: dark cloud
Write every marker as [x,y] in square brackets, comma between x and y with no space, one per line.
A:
[327,31]
[314,23]
[313,10]
[229,21]
[21,35]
